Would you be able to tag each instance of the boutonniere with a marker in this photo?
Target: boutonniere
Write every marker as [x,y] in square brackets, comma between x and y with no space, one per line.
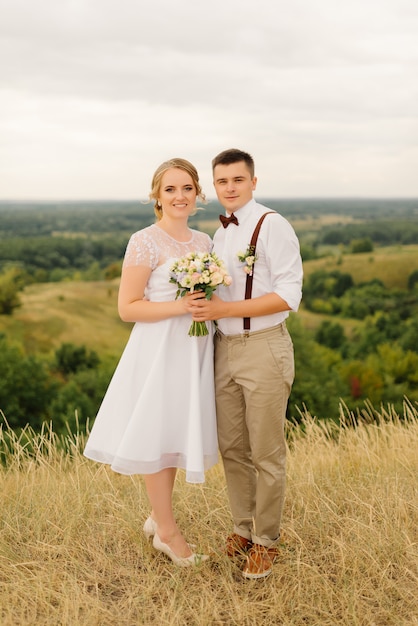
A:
[248,257]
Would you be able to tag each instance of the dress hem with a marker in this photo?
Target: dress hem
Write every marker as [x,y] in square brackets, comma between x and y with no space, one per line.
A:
[131,468]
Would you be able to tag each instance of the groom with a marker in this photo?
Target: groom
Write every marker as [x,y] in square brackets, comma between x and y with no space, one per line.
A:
[254,364]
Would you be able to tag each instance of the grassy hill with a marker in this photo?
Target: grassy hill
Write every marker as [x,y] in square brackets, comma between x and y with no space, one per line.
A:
[392,265]
[73,552]
[76,312]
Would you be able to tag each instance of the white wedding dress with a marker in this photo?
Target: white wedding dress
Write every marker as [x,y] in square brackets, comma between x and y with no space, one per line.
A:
[159,408]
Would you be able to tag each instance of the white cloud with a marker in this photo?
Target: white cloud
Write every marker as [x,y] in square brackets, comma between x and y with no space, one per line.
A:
[96,93]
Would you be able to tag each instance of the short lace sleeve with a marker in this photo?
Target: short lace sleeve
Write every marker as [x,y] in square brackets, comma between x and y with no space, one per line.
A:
[141,250]
[202,241]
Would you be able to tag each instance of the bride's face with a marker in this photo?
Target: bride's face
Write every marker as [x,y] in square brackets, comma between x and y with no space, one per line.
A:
[177,194]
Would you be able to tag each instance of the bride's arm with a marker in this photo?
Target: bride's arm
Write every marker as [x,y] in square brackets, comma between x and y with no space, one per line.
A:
[131,304]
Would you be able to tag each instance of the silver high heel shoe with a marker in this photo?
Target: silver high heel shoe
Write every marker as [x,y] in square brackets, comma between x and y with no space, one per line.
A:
[150,527]
[187,561]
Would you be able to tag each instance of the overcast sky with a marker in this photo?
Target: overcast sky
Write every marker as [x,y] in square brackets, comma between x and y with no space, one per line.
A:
[95,94]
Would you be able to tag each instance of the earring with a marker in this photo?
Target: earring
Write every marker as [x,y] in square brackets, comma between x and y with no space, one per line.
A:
[158,204]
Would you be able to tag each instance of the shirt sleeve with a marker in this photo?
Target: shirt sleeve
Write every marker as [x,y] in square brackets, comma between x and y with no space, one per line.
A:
[282,254]
[141,250]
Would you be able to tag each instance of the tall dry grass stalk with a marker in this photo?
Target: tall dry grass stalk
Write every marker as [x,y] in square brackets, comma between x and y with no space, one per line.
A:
[72,551]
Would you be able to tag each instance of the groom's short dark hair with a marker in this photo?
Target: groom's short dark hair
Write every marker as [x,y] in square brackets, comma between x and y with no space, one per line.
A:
[232,155]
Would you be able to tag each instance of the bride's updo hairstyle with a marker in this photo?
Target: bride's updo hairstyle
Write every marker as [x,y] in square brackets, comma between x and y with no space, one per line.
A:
[180,164]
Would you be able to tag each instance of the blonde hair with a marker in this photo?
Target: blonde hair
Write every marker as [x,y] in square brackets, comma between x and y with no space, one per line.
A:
[180,164]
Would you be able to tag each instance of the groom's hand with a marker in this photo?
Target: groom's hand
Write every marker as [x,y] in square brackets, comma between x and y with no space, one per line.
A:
[203,310]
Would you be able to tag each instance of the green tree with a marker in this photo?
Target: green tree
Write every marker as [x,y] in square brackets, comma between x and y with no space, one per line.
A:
[71,406]
[70,358]
[317,385]
[10,285]
[363,382]
[413,280]
[26,386]
[331,334]
[379,328]
[366,299]
[384,376]
[93,272]
[323,287]
[361,245]
[80,398]
[409,338]
[113,271]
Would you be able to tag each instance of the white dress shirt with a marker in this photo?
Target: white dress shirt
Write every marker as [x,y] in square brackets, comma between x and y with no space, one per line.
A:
[278,268]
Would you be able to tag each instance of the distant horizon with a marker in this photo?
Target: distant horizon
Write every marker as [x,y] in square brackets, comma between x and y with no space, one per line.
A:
[209,199]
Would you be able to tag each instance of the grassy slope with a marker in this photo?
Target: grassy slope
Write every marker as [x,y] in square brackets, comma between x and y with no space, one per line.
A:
[391,265]
[72,551]
[75,312]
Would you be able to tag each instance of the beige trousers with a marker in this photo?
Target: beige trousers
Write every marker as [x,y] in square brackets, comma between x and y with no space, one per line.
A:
[253,379]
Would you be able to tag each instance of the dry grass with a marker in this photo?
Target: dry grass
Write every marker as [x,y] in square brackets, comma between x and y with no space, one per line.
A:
[72,551]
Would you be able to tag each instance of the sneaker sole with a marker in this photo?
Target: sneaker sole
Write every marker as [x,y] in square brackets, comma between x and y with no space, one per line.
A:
[250,576]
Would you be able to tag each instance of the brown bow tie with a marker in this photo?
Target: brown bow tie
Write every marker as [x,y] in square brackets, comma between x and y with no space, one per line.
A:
[226,221]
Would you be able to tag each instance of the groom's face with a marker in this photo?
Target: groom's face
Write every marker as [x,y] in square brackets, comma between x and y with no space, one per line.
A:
[234,185]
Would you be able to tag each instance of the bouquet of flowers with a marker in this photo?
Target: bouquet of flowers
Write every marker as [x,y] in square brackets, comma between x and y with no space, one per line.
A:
[199,271]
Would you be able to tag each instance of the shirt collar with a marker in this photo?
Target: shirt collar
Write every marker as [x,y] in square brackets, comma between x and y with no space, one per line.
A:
[244,211]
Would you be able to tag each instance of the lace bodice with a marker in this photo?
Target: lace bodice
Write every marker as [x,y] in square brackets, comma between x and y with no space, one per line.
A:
[152,247]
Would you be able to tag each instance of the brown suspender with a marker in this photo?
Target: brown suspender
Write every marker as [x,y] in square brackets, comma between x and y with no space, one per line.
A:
[249,282]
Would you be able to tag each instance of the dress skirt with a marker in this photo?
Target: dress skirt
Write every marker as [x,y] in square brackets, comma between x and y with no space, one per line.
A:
[159,409]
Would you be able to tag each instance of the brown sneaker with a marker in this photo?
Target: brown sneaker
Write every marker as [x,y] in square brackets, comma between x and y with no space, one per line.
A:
[237,545]
[259,561]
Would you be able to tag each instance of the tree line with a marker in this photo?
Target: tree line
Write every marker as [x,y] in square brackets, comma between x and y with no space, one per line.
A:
[334,293]
[379,362]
